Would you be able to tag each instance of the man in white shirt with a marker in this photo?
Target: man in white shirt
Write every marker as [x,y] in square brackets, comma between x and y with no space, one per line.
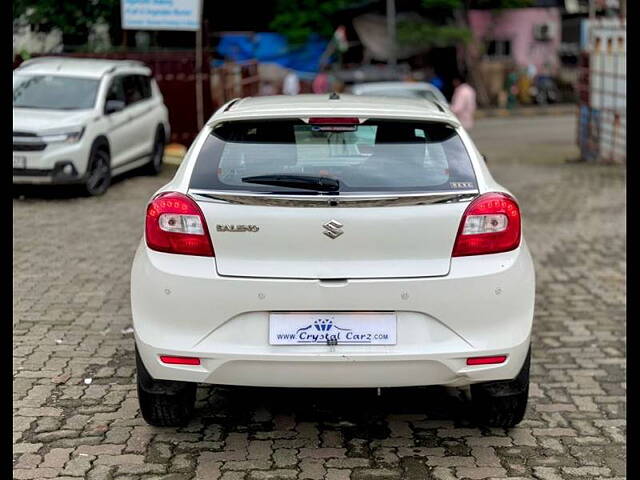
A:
[291,84]
[463,103]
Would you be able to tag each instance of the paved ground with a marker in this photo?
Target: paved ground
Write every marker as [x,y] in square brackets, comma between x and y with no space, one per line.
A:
[71,320]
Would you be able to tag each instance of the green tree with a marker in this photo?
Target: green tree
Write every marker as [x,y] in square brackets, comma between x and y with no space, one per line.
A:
[298,19]
[449,21]
[74,19]
[451,28]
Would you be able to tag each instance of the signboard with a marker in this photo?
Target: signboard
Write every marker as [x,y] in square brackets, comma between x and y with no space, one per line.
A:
[161,14]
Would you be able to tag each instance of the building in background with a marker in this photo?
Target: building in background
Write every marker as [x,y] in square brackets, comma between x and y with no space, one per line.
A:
[520,40]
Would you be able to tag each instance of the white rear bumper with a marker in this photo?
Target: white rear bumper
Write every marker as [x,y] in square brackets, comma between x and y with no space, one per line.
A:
[484,307]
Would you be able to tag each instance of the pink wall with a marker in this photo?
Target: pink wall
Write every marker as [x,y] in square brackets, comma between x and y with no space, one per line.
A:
[517,25]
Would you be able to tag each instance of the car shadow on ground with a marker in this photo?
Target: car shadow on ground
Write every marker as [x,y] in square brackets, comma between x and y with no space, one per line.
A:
[360,411]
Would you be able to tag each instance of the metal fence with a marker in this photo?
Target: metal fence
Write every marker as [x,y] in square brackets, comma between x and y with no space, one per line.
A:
[602,93]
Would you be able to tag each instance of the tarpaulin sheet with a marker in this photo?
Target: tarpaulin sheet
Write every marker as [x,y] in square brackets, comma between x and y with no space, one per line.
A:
[273,48]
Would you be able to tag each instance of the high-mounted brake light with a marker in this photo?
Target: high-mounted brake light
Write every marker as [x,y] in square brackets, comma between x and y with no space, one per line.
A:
[175,224]
[334,121]
[490,224]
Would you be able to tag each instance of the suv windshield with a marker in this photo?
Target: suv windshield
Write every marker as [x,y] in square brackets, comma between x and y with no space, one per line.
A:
[54,92]
[376,156]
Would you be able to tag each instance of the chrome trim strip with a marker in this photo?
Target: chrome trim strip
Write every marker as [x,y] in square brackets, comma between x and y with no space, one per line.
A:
[320,200]
[22,140]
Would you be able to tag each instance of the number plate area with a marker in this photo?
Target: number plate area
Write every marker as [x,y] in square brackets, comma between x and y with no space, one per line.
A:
[327,328]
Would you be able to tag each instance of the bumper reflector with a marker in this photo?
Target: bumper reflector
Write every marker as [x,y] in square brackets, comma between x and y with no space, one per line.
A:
[179,360]
[486,360]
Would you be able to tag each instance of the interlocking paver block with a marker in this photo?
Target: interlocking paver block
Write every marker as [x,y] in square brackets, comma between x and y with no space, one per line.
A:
[71,303]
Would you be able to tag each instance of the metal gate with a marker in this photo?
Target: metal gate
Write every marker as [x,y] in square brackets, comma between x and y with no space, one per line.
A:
[602,92]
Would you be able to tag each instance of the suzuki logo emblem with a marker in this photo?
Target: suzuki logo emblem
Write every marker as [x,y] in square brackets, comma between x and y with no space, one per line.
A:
[333,229]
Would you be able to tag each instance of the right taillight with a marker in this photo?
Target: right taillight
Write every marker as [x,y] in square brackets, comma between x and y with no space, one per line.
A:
[175,224]
[490,224]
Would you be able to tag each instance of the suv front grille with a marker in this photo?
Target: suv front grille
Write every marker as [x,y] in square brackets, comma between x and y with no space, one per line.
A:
[29,147]
[31,143]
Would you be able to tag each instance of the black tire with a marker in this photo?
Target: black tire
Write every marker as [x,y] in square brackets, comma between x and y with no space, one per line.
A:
[154,167]
[502,403]
[164,403]
[98,178]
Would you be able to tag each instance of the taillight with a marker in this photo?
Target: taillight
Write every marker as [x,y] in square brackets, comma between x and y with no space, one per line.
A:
[490,224]
[175,224]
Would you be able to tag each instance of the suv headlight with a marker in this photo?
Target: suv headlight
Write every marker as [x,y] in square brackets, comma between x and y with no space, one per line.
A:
[71,135]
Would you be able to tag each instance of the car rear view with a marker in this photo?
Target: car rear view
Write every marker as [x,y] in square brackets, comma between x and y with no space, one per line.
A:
[318,242]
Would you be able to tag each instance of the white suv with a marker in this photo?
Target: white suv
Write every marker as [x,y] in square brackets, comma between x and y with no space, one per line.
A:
[80,121]
[333,241]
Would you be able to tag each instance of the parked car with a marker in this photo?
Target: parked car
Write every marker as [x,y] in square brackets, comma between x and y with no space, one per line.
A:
[332,241]
[81,121]
[421,90]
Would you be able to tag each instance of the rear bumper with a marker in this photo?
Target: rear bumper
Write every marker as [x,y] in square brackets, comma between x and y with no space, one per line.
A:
[483,307]
[338,369]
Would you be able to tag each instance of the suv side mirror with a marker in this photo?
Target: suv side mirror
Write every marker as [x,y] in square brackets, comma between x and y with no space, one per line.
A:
[113,106]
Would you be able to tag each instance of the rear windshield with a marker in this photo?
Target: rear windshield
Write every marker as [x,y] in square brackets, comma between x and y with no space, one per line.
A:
[376,156]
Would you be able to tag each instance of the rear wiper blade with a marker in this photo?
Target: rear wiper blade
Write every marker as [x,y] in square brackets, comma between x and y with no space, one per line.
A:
[308,182]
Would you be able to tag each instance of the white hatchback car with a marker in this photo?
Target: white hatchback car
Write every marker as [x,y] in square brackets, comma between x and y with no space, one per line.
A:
[80,121]
[333,241]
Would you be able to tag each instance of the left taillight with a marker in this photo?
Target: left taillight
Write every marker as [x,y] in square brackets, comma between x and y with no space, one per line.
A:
[175,224]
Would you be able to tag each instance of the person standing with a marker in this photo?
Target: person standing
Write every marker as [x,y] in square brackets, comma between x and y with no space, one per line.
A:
[267,88]
[463,102]
[291,84]
[511,87]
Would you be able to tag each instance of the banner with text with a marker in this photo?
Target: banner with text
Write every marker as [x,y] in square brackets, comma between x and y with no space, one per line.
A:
[161,14]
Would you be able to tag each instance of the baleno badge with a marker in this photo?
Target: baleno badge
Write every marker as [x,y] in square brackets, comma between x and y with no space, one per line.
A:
[333,229]
[237,228]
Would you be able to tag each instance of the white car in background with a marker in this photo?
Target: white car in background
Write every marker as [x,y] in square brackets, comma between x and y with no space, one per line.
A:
[421,90]
[81,121]
[332,241]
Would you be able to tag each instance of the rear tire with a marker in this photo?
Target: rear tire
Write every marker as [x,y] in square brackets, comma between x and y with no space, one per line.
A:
[164,403]
[502,403]
[154,167]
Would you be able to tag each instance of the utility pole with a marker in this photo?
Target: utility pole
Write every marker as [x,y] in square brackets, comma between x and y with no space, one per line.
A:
[391,30]
[198,74]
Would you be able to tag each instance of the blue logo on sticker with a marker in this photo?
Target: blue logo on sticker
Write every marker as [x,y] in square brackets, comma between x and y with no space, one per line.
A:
[323,325]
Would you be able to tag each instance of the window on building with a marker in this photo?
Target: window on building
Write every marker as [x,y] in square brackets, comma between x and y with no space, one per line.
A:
[499,48]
